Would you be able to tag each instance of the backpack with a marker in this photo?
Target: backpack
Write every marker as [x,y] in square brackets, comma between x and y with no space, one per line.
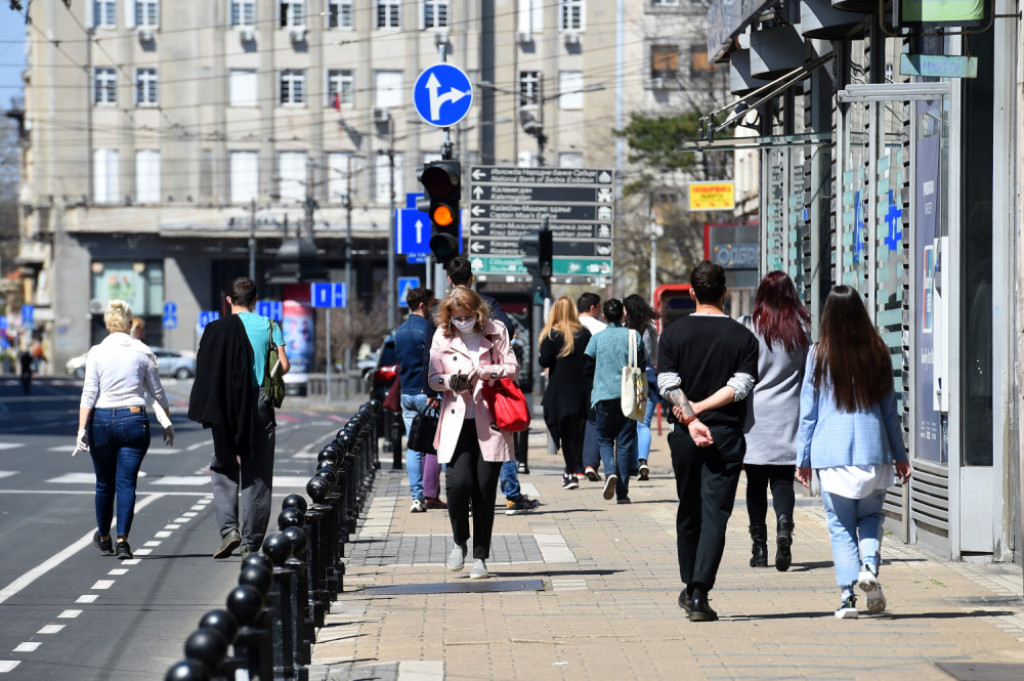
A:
[273,381]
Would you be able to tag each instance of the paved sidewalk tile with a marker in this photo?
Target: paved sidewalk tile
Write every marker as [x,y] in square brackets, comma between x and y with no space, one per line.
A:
[607,607]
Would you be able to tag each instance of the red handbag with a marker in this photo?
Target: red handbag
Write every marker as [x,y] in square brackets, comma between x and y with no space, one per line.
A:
[508,405]
[393,401]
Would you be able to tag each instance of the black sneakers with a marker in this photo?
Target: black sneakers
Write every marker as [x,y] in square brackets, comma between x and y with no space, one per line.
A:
[104,545]
[569,481]
[124,552]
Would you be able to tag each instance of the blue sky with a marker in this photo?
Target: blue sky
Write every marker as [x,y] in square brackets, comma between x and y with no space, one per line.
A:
[12,54]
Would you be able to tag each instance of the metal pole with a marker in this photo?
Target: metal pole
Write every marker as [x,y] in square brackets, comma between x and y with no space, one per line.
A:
[252,240]
[348,275]
[654,258]
[328,351]
[390,287]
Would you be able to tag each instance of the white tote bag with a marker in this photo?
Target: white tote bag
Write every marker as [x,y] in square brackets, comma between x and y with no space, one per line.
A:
[634,384]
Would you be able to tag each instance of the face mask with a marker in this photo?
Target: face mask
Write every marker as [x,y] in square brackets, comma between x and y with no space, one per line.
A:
[465,326]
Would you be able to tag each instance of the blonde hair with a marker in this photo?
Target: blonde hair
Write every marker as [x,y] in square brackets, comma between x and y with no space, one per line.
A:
[138,328]
[461,297]
[563,319]
[118,316]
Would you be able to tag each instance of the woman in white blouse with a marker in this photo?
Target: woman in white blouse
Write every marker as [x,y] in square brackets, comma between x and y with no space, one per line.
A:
[113,425]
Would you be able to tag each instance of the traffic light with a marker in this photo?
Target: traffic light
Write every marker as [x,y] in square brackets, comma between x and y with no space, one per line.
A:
[538,251]
[442,181]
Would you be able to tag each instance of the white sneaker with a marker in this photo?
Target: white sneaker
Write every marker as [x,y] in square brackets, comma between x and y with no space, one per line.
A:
[479,570]
[847,609]
[457,558]
[609,486]
[418,506]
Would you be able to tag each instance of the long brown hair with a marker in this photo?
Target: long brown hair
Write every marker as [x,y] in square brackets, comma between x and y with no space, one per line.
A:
[461,296]
[564,320]
[850,353]
[779,316]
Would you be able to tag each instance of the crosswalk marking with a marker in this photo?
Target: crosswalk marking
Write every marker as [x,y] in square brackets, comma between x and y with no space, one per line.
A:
[7,474]
[11,445]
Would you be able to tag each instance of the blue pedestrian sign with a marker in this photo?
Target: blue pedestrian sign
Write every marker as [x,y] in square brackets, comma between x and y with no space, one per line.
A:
[28,315]
[406,284]
[170,316]
[272,309]
[328,295]
[443,95]
[207,316]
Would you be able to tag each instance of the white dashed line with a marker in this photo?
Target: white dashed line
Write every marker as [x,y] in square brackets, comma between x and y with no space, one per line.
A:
[7,474]
[50,629]
[152,544]
[27,647]
[8,665]
[171,527]
[143,552]
[162,534]
[185,480]
[87,598]
[184,519]
[69,614]
[102,584]
[198,507]
[117,572]
[198,445]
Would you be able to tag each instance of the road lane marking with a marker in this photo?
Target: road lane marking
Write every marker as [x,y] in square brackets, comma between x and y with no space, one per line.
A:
[11,445]
[102,584]
[117,572]
[8,665]
[27,647]
[87,598]
[7,474]
[198,445]
[51,629]
[162,534]
[69,614]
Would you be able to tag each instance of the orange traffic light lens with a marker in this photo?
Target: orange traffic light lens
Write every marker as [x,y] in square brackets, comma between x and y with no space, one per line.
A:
[442,216]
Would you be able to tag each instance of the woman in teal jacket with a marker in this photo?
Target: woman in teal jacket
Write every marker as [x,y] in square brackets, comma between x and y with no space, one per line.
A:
[850,433]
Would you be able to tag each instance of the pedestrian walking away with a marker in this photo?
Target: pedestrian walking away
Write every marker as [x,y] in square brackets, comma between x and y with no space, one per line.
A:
[707,363]
[467,349]
[563,342]
[851,434]
[616,433]
[588,307]
[780,323]
[228,397]
[113,425]
[641,317]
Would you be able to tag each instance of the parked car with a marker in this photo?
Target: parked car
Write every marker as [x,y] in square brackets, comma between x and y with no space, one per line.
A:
[76,366]
[169,363]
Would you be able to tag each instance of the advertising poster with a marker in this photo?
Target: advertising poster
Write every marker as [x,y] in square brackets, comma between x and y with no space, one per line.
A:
[297,326]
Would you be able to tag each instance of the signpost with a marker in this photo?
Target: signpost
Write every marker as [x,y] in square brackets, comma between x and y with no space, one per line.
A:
[329,295]
[508,202]
[443,95]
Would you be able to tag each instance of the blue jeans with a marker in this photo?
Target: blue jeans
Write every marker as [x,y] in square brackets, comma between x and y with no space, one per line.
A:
[643,432]
[849,519]
[118,441]
[591,452]
[616,439]
[411,406]
[508,480]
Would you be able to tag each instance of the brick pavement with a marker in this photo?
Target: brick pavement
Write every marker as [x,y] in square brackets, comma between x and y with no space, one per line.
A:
[582,588]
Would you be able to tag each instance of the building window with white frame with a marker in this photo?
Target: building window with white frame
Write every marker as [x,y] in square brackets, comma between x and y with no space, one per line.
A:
[104,13]
[243,87]
[244,167]
[243,13]
[571,15]
[340,88]
[146,87]
[389,14]
[147,13]
[293,13]
[341,14]
[531,18]
[292,177]
[382,177]
[529,88]
[104,86]
[570,90]
[387,89]
[106,176]
[435,13]
[293,87]
[147,176]
[658,4]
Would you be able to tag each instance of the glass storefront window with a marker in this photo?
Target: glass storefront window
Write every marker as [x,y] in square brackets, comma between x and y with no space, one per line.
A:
[140,283]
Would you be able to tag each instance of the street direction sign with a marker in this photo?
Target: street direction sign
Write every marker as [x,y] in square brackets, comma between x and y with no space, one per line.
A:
[507,202]
[442,95]
[406,284]
[28,316]
[412,232]
[170,315]
[207,316]
[328,294]
[272,309]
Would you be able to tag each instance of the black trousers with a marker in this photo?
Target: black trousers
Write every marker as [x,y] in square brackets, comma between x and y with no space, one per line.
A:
[706,480]
[470,478]
[570,430]
[759,478]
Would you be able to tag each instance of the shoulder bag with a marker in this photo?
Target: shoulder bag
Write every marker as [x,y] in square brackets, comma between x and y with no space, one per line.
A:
[421,432]
[508,405]
[273,380]
[393,400]
[634,384]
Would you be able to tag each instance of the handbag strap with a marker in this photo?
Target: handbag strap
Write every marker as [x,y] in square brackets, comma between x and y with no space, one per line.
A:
[632,348]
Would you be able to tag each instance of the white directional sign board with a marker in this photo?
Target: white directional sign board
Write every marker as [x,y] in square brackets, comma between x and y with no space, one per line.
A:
[507,202]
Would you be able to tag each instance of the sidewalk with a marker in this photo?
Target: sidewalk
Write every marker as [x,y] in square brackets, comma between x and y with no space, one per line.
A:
[582,589]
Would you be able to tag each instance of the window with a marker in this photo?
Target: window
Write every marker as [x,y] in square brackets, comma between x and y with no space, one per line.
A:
[529,87]
[105,90]
[388,13]
[664,3]
[293,13]
[147,13]
[340,88]
[291,175]
[244,176]
[435,13]
[570,15]
[340,14]
[293,87]
[243,12]
[147,176]
[145,87]
[106,176]
[570,159]
[104,13]
[387,89]
[700,67]
[243,87]
[382,177]
[527,159]
[664,62]
[531,17]
[339,182]
[570,90]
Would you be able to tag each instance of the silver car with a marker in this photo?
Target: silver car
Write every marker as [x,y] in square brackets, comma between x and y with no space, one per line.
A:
[169,363]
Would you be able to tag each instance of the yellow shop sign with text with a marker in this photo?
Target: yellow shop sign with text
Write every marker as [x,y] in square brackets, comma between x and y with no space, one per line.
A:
[712,196]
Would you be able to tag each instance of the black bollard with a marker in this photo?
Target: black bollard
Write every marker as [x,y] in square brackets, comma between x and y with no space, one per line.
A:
[305,633]
[278,547]
[187,670]
[252,644]
[207,646]
[295,501]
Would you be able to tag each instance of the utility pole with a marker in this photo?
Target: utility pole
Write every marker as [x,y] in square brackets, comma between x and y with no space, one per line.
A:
[390,287]
[349,294]
[252,240]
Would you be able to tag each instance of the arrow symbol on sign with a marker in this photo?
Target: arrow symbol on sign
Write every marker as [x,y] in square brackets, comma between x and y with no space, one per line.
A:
[478,192]
[436,100]
[419,231]
[573,266]
[476,247]
[478,229]
[478,174]
[477,211]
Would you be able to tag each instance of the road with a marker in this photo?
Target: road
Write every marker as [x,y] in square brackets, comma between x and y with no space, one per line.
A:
[68,612]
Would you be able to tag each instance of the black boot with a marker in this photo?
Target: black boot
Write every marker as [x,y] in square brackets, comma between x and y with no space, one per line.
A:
[759,549]
[784,540]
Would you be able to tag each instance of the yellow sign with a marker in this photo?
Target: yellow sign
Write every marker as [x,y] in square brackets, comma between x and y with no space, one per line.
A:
[712,196]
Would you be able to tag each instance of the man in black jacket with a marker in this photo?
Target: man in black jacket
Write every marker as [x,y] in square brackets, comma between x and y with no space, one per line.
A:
[228,397]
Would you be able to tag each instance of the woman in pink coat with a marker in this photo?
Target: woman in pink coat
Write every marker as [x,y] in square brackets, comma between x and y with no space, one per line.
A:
[468,348]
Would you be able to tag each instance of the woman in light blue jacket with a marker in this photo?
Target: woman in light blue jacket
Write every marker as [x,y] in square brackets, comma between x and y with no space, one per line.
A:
[850,433]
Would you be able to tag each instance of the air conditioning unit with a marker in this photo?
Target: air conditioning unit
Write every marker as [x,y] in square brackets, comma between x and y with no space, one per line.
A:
[657,83]
[381,115]
[298,35]
[571,38]
[524,37]
[441,38]
[247,34]
[145,35]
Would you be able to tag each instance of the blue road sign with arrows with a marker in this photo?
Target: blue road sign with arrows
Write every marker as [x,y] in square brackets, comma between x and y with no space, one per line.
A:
[170,315]
[443,95]
[412,232]
[328,295]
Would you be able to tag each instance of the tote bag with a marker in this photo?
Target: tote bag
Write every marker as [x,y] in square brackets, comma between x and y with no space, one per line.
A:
[421,432]
[634,384]
[508,405]
[273,380]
